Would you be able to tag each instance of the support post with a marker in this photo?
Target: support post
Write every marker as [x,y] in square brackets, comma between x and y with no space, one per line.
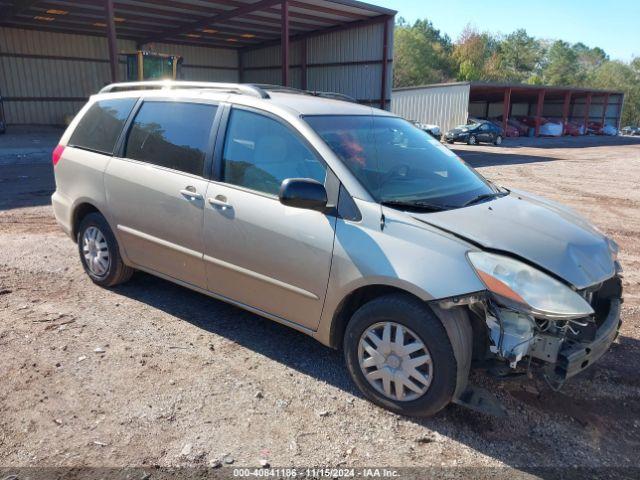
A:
[284,42]
[111,40]
[565,110]
[385,61]
[303,64]
[605,105]
[506,109]
[539,107]
[587,112]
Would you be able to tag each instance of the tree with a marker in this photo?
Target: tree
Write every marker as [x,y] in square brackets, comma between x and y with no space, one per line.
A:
[422,54]
[521,56]
[562,67]
[472,54]
[589,59]
[616,75]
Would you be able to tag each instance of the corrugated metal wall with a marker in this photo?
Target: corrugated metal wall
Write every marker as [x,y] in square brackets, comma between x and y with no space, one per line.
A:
[443,105]
[346,61]
[46,77]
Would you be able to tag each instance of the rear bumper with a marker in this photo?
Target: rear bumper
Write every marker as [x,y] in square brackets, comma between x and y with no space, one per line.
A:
[62,211]
[575,357]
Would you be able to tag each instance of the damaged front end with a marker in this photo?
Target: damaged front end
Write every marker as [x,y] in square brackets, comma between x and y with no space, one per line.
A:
[528,322]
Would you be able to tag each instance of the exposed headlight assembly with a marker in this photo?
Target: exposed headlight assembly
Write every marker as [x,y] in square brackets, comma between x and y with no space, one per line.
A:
[526,289]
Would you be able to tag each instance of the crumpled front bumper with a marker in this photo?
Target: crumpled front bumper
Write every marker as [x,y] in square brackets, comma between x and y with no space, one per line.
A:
[574,357]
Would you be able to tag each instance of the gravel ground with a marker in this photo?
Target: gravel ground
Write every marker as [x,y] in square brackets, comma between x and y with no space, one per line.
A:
[151,374]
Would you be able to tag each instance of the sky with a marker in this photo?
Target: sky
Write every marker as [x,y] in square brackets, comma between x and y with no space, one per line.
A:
[613,25]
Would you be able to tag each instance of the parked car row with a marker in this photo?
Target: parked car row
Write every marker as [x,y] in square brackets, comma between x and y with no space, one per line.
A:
[634,131]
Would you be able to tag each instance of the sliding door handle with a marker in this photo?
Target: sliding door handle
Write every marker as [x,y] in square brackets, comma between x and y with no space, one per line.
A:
[220,201]
[191,194]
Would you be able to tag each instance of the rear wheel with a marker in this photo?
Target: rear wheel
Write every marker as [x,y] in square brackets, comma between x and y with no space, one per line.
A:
[498,140]
[472,140]
[99,252]
[399,355]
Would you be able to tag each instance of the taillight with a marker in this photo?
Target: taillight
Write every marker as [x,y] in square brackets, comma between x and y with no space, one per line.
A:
[57,153]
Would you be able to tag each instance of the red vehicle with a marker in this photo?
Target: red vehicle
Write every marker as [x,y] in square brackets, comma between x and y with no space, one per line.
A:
[572,129]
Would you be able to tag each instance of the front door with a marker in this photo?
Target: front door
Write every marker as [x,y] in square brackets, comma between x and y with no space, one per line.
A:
[484,133]
[156,190]
[257,251]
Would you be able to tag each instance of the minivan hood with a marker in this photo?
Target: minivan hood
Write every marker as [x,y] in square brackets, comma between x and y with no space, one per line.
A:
[535,229]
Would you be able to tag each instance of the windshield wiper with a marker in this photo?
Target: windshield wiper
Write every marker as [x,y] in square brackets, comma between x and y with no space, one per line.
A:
[485,196]
[417,204]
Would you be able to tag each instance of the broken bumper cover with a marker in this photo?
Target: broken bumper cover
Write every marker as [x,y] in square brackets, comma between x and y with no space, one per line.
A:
[575,357]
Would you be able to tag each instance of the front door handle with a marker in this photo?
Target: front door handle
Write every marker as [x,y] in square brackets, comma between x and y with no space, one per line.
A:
[220,201]
[191,194]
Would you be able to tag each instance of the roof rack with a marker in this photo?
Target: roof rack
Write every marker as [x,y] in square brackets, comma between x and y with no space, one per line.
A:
[314,93]
[334,96]
[238,88]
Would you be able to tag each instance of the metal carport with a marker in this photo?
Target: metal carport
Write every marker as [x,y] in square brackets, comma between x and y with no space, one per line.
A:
[451,104]
[55,53]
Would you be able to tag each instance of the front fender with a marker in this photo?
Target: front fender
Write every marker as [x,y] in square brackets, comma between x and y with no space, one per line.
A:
[399,252]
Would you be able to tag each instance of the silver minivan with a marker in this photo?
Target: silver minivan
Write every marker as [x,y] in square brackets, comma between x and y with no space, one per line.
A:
[344,222]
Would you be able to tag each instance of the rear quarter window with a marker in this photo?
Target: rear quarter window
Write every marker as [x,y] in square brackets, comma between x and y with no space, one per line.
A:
[100,127]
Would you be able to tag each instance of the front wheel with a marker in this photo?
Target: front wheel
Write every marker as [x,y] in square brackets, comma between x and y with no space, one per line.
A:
[99,252]
[399,355]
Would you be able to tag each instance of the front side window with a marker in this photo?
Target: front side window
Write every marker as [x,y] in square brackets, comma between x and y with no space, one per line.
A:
[100,127]
[399,163]
[260,152]
[172,134]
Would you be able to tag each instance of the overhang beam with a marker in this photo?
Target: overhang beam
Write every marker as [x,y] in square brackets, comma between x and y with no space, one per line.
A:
[18,7]
[205,22]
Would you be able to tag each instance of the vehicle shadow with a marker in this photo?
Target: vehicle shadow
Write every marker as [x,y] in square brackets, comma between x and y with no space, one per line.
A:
[26,185]
[572,142]
[482,158]
[542,427]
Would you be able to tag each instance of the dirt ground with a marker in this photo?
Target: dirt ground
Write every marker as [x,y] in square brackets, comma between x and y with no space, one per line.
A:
[151,374]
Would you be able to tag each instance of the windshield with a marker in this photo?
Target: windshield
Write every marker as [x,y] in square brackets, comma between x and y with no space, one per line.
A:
[398,163]
[468,125]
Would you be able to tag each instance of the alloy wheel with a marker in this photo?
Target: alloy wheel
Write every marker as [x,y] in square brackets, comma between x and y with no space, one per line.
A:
[95,251]
[395,361]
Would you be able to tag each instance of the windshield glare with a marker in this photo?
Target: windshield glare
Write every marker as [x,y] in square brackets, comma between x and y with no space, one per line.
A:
[397,162]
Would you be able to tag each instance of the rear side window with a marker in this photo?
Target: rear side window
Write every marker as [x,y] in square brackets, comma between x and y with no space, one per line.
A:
[172,134]
[100,127]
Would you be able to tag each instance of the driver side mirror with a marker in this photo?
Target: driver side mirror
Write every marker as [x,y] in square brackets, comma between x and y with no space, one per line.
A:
[303,193]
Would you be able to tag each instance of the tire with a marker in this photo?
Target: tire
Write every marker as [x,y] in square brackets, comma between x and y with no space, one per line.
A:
[498,140]
[416,318]
[115,271]
[472,140]
[450,142]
